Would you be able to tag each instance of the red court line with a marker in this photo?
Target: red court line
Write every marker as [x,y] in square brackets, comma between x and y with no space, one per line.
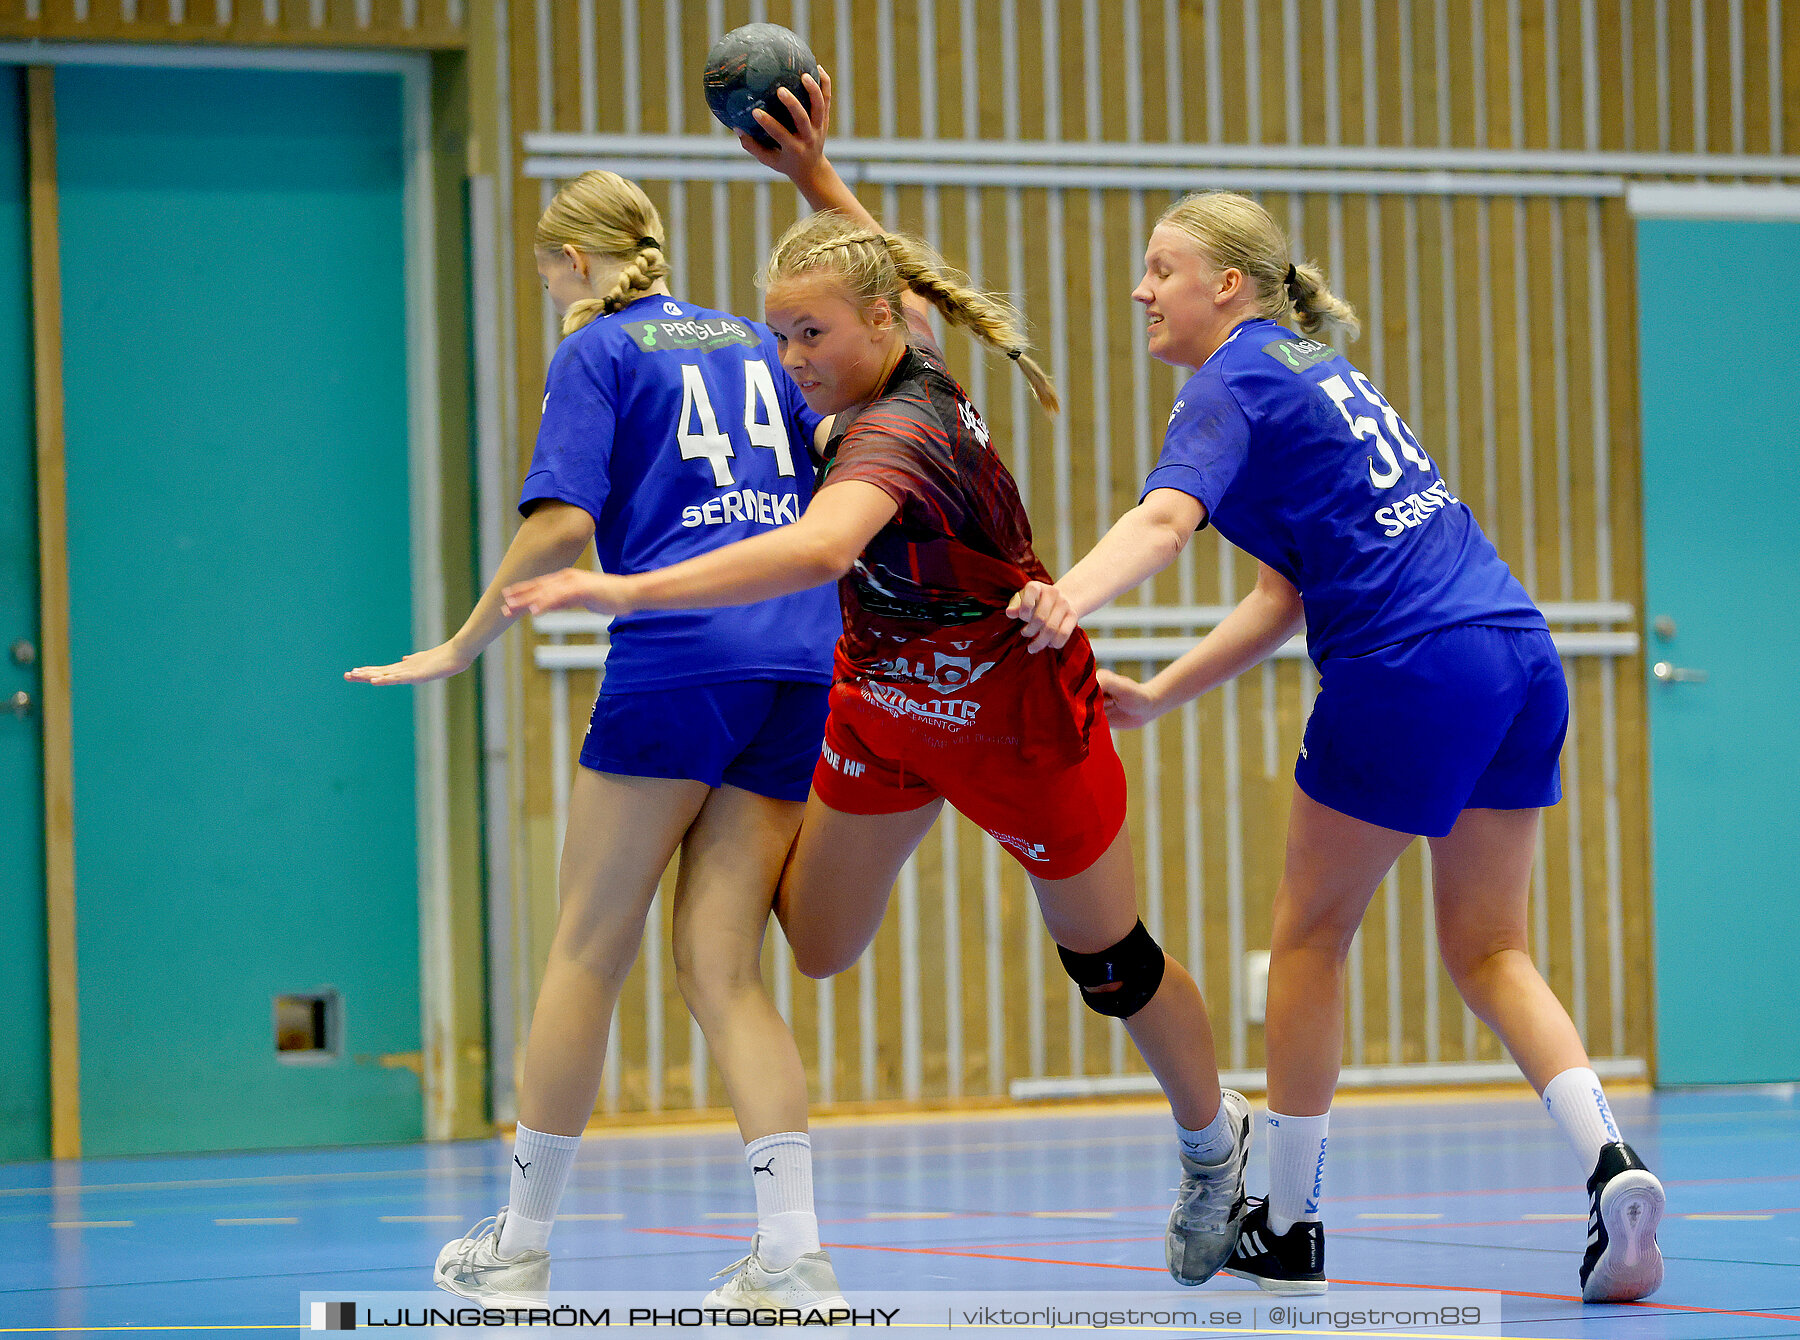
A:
[868,1223]
[1073,1242]
[925,1216]
[1158,1270]
[1481,1223]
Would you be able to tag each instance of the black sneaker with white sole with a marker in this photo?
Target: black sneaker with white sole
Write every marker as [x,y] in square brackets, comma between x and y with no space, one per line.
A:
[1625,1204]
[1293,1263]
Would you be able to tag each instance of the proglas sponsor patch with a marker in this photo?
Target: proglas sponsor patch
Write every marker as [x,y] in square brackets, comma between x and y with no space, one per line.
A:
[1299,355]
[679,336]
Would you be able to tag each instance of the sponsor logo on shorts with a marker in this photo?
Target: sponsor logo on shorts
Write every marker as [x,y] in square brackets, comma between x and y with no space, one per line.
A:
[950,713]
[1031,851]
[768,509]
[848,766]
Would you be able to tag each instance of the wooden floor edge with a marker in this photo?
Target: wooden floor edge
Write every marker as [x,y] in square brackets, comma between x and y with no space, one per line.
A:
[709,1121]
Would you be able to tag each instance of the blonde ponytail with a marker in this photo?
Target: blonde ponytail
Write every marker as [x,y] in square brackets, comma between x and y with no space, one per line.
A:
[1235,233]
[603,214]
[1314,305]
[875,264]
[993,321]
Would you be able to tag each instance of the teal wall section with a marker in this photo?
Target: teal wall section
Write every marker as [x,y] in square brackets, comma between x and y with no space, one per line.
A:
[24,1051]
[1722,560]
[234,352]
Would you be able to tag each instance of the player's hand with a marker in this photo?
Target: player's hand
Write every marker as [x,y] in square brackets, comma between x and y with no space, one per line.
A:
[799,151]
[1048,617]
[421,667]
[1128,703]
[572,588]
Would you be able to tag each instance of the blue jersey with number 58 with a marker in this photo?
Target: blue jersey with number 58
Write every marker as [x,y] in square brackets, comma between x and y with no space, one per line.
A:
[1300,461]
[676,428]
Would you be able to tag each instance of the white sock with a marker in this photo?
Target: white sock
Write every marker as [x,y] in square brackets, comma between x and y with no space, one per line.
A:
[540,1170]
[1296,1169]
[1211,1144]
[781,1172]
[1577,1104]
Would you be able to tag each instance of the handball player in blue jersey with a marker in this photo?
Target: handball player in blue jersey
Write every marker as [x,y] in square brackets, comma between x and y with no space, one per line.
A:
[1440,714]
[668,430]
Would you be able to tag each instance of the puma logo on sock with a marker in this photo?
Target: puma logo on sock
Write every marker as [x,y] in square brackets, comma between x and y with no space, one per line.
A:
[768,1167]
[522,1166]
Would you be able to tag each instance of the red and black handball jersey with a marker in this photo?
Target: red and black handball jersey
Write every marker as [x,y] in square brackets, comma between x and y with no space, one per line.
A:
[925,627]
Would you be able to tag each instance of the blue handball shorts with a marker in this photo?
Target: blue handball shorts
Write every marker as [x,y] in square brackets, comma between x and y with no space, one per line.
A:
[757,735]
[1409,736]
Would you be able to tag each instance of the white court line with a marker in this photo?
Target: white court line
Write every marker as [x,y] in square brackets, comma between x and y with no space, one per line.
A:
[92,1223]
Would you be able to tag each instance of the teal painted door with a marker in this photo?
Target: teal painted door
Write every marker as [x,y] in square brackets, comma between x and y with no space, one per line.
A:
[234,353]
[1721,402]
[24,1055]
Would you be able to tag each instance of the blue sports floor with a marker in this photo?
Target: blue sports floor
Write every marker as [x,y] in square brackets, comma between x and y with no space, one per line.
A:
[1438,1193]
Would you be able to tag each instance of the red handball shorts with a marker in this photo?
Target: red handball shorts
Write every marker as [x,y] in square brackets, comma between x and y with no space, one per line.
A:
[886,759]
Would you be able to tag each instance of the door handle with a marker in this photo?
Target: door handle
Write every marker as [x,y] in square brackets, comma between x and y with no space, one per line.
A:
[19,704]
[1675,674]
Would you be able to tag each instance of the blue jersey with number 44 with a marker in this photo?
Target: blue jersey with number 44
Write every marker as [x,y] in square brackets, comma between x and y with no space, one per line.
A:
[1299,461]
[676,428]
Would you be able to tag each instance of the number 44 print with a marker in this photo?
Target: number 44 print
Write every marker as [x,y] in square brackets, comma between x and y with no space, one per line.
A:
[702,440]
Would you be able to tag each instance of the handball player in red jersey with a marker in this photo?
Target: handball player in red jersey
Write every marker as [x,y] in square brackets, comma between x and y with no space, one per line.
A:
[935,696]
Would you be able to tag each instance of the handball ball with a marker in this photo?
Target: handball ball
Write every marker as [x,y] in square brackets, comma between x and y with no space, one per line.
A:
[745,70]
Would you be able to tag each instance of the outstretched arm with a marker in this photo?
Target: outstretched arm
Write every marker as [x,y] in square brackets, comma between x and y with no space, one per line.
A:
[1262,621]
[1141,544]
[552,537]
[799,156]
[818,548]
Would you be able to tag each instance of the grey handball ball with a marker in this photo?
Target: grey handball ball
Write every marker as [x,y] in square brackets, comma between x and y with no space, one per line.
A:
[746,68]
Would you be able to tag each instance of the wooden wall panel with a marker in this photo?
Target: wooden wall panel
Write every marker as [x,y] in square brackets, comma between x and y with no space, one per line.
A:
[420,25]
[1478,326]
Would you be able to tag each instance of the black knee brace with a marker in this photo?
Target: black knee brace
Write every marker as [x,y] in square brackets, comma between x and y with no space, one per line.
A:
[1136,963]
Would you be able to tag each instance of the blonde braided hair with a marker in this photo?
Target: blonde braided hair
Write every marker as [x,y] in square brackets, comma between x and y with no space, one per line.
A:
[1235,233]
[875,264]
[604,214]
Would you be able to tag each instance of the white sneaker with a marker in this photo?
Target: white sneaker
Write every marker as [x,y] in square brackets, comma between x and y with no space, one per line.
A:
[809,1283]
[472,1267]
[1209,1206]
[1625,1204]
